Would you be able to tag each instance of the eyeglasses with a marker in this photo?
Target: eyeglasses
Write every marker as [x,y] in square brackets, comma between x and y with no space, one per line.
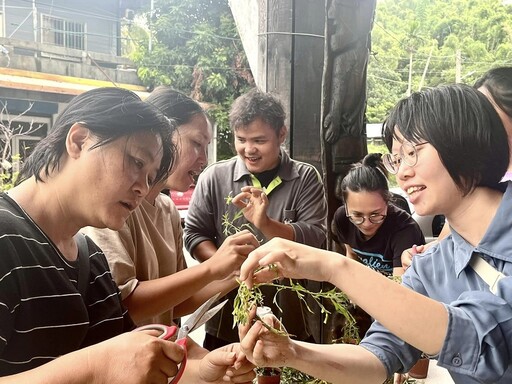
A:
[408,154]
[374,218]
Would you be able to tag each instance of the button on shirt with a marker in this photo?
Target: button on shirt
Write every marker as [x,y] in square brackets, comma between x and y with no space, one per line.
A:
[478,344]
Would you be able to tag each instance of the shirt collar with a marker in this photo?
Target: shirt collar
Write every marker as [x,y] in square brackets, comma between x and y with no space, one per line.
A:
[286,170]
[496,241]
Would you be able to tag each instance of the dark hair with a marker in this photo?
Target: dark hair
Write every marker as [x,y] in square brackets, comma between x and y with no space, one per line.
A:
[109,113]
[464,128]
[174,104]
[498,82]
[256,104]
[369,175]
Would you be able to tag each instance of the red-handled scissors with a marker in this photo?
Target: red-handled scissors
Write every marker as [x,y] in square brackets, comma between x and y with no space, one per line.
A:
[200,316]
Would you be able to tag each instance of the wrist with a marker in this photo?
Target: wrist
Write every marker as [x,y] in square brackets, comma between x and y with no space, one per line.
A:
[297,354]
[262,223]
[333,267]
[210,271]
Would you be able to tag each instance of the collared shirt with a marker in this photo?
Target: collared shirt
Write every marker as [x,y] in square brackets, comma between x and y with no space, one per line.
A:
[299,197]
[478,344]
[296,196]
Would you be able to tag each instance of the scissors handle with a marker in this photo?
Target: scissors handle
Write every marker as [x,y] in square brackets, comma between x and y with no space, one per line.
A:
[183,343]
[167,333]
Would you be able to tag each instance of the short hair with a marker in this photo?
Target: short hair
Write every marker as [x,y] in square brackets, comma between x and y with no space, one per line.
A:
[109,113]
[174,104]
[369,175]
[498,82]
[254,105]
[464,128]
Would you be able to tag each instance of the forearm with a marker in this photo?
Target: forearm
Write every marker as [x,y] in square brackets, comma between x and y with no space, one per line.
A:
[416,319]
[204,250]
[72,368]
[153,297]
[272,228]
[337,363]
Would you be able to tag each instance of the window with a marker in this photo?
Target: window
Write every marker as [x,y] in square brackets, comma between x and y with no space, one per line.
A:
[25,132]
[62,32]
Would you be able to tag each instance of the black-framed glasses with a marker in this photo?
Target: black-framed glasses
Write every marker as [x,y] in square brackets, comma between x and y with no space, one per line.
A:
[374,218]
[408,154]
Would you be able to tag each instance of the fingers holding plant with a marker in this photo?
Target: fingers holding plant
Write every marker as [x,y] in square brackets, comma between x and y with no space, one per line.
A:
[287,259]
[227,363]
[233,252]
[261,344]
[254,203]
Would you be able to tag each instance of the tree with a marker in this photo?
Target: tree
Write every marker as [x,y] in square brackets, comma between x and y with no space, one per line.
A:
[444,41]
[10,128]
[195,48]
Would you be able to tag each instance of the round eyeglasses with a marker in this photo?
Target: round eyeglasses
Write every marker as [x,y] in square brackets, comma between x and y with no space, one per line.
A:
[408,154]
[375,218]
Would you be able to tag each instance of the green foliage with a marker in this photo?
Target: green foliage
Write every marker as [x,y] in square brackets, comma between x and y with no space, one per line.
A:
[293,376]
[434,33]
[196,49]
[247,298]
[7,180]
[232,222]
[7,175]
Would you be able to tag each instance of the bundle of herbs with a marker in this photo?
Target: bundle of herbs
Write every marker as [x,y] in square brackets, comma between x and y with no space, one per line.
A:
[248,298]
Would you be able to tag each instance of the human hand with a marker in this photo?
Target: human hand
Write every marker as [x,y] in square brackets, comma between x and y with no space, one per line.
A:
[400,378]
[260,345]
[227,363]
[232,253]
[407,256]
[409,253]
[134,358]
[286,258]
[254,203]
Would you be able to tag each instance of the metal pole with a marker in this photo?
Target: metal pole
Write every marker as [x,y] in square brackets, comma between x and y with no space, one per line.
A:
[4,29]
[34,19]
[151,10]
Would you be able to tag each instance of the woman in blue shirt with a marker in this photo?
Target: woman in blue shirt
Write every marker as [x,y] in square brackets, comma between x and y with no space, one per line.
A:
[449,151]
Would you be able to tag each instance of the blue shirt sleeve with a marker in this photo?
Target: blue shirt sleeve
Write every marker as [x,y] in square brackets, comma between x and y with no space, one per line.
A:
[479,336]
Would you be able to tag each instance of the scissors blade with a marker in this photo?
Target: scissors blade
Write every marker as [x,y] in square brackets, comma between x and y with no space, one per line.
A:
[210,313]
[200,316]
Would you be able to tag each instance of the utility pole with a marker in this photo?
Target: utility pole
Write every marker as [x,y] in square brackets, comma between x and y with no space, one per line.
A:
[151,10]
[34,19]
[3,31]
[458,66]
[409,84]
[424,75]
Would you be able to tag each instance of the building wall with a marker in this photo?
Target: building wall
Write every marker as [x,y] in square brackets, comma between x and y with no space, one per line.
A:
[38,78]
[100,18]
